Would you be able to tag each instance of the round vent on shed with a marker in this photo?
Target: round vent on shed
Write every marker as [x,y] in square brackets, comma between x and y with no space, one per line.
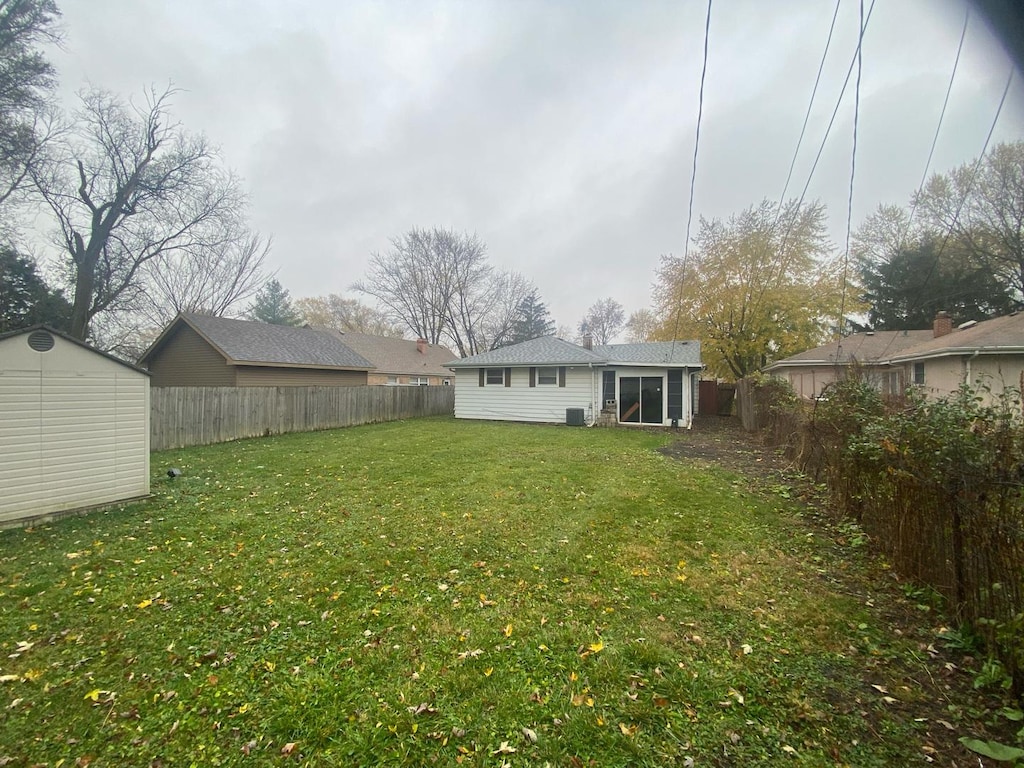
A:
[40,341]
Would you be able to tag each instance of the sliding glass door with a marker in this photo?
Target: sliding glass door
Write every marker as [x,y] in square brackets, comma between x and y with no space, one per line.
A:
[640,400]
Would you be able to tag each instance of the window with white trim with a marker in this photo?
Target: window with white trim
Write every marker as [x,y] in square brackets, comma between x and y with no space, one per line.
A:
[447,382]
[495,376]
[419,381]
[547,377]
[392,381]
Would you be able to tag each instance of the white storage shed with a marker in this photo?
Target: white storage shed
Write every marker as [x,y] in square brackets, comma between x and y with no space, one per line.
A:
[74,427]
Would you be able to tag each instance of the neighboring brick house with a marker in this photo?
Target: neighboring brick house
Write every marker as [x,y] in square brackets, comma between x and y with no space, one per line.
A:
[399,362]
[202,351]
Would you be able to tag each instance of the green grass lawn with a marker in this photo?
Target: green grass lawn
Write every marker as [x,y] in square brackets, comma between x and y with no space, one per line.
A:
[438,592]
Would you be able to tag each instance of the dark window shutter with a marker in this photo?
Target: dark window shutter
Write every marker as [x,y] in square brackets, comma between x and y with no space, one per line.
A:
[483,373]
[675,393]
[533,376]
[561,376]
[508,377]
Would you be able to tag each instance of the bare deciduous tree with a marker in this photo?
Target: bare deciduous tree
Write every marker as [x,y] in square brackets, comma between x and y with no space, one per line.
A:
[437,282]
[344,314]
[603,320]
[641,326]
[210,281]
[981,205]
[127,187]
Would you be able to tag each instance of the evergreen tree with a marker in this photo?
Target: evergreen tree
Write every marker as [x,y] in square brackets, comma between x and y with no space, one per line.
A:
[907,290]
[533,320]
[273,305]
[25,299]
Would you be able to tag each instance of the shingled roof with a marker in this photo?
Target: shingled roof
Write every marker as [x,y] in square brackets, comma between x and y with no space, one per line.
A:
[395,356]
[252,343]
[550,350]
[652,353]
[1000,335]
[869,347]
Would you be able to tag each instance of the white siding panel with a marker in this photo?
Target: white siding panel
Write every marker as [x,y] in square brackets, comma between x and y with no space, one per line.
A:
[74,430]
[521,402]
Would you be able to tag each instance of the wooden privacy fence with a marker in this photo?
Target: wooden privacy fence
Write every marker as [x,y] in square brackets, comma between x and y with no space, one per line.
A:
[184,416]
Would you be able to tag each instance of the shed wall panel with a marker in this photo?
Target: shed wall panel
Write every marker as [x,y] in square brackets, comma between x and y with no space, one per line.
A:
[74,430]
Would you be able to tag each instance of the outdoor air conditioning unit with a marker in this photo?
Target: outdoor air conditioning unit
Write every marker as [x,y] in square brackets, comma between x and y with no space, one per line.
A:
[574,417]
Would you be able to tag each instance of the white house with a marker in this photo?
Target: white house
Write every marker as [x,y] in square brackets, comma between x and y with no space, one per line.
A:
[74,427]
[543,379]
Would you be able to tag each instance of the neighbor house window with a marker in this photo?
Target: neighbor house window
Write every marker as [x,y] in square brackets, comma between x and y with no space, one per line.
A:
[547,377]
[418,381]
[447,382]
[392,381]
[496,376]
[919,373]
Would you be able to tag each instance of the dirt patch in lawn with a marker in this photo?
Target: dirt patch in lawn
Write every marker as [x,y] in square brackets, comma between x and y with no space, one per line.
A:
[925,679]
[721,440]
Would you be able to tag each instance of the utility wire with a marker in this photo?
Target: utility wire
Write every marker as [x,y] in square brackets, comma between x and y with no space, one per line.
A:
[974,176]
[810,104]
[942,114]
[856,57]
[853,170]
[792,163]
[864,20]
[693,181]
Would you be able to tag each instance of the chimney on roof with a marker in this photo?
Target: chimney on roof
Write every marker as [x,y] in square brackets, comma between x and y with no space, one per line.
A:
[588,342]
[421,346]
[942,324]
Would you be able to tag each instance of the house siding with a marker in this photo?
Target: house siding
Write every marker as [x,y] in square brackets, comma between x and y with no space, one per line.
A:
[810,381]
[989,375]
[187,360]
[74,430]
[375,378]
[272,376]
[521,402]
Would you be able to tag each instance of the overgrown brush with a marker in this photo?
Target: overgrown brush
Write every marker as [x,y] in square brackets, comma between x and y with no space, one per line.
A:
[937,484]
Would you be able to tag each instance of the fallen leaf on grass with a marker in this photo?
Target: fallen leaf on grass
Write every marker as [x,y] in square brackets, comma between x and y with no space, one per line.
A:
[504,749]
[422,709]
[288,748]
[628,730]
[530,735]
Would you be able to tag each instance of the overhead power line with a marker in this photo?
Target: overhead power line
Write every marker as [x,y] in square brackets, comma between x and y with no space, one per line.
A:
[938,127]
[693,178]
[974,175]
[842,92]
[853,172]
[810,105]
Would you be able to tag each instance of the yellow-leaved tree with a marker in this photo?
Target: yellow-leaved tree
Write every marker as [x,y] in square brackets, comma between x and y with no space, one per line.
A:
[758,287]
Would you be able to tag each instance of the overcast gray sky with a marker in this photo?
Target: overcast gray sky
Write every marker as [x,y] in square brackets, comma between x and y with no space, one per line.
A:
[562,133]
